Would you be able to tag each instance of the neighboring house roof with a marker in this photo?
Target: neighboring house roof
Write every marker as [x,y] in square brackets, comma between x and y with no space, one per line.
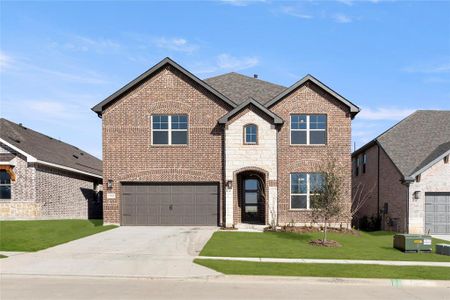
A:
[275,119]
[238,87]
[144,76]
[46,150]
[353,108]
[416,142]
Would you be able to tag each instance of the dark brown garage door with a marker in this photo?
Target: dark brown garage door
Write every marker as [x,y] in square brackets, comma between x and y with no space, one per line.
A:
[169,204]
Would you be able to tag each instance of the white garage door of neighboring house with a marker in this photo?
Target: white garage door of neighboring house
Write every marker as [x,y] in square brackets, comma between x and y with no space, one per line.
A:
[437,213]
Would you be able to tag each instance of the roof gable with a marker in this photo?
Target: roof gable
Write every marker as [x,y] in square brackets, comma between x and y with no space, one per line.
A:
[416,142]
[352,107]
[144,76]
[40,147]
[275,119]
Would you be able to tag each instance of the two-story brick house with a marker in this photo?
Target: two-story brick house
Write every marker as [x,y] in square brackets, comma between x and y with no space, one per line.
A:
[178,150]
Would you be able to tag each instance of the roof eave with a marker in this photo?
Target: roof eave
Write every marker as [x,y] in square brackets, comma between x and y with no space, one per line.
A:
[275,118]
[100,106]
[353,108]
[430,164]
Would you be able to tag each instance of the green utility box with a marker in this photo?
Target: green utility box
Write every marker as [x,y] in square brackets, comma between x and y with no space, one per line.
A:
[413,242]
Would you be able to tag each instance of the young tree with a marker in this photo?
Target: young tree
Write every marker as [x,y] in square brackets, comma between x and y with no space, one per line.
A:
[326,195]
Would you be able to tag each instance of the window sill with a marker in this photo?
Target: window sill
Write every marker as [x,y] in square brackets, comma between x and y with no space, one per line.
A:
[168,146]
[310,145]
[300,209]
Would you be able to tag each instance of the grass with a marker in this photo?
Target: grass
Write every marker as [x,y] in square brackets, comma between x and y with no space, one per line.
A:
[38,235]
[372,246]
[3,256]
[325,270]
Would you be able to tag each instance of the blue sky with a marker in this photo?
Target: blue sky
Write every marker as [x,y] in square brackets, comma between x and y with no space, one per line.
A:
[58,59]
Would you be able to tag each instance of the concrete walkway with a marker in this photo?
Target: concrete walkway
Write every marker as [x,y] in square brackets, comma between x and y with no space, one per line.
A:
[332,261]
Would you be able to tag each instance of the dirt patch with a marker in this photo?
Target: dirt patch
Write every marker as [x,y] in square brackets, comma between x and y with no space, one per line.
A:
[329,243]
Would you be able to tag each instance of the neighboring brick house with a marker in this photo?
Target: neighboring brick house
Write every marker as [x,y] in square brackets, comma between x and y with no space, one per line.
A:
[231,149]
[44,178]
[407,171]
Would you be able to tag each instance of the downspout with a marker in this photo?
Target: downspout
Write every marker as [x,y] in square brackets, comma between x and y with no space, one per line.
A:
[278,176]
[378,182]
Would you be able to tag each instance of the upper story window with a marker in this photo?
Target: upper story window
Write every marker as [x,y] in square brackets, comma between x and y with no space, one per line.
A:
[169,129]
[364,162]
[250,134]
[5,185]
[303,185]
[308,129]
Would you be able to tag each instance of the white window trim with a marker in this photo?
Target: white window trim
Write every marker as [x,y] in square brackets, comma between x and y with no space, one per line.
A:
[169,130]
[308,130]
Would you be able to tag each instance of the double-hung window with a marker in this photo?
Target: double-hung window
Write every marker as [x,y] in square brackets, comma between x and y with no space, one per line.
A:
[169,129]
[250,134]
[308,129]
[303,186]
[5,185]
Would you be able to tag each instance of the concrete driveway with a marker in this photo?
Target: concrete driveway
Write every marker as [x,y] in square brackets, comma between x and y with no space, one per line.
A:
[445,237]
[122,252]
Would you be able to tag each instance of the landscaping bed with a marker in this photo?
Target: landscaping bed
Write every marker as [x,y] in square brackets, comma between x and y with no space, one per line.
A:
[325,270]
[38,235]
[359,245]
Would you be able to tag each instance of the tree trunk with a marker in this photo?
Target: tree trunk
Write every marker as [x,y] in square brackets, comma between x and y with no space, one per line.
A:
[325,231]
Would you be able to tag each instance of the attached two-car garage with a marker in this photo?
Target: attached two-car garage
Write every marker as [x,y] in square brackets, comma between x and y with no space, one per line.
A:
[437,213]
[170,204]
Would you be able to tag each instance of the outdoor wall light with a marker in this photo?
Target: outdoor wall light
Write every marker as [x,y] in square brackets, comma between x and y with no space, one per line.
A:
[110,184]
[416,195]
[229,184]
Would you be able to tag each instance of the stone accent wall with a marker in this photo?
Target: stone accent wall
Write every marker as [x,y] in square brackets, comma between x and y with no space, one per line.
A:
[310,99]
[64,195]
[435,179]
[127,151]
[240,157]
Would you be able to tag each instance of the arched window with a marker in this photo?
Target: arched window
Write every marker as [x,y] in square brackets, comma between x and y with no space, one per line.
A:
[250,134]
[5,185]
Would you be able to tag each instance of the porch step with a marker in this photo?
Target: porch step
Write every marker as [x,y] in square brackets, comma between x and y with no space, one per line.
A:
[245,227]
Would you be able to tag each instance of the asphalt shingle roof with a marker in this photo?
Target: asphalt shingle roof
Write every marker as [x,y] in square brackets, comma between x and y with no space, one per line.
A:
[238,88]
[417,140]
[48,149]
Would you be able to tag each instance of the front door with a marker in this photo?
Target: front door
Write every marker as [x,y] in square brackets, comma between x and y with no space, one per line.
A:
[252,210]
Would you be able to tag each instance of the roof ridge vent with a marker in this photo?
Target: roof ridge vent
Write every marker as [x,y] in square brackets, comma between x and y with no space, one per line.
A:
[255,76]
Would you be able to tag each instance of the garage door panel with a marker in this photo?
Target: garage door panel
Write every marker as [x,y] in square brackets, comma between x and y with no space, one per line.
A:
[170,204]
[437,213]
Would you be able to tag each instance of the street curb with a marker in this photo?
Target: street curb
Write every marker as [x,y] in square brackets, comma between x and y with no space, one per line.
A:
[397,283]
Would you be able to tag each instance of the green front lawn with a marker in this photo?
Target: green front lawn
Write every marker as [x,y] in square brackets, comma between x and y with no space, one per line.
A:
[3,256]
[325,270]
[373,245]
[38,235]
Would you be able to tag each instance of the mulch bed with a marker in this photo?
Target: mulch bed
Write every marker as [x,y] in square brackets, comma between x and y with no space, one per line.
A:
[328,243]
[308,229]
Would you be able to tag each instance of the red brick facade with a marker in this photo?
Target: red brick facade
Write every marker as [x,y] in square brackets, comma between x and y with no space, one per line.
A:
[382,177]
[129,156]
[127,151]
[309,99]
